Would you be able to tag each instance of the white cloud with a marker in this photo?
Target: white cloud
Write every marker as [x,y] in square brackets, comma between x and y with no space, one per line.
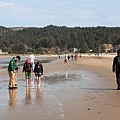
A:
[6,5]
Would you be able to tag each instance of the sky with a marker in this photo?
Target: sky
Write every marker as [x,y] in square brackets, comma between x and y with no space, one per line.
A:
[69,13]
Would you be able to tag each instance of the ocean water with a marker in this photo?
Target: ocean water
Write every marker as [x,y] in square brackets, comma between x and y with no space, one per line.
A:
[5,61]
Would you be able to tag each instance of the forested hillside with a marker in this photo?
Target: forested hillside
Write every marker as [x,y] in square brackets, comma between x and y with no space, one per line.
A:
[56,39]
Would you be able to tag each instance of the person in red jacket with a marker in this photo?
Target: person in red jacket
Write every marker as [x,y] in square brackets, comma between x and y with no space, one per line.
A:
[27,68]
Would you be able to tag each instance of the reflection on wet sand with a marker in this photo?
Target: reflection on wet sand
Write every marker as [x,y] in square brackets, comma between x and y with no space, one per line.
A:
[12,95]
[66,74]
[28,93]
[38,93]
[28,96]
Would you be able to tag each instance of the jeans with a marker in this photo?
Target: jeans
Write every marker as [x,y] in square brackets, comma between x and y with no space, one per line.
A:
[33,65]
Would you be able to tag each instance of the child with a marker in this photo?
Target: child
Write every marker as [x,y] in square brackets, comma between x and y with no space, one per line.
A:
[27,68]
[38,70]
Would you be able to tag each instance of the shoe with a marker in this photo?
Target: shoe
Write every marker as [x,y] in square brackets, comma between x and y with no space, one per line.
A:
[15,87]
[10,87]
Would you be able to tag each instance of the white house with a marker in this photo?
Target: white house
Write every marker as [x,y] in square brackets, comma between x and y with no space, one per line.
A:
[76,50]
[0,51]
[3,52]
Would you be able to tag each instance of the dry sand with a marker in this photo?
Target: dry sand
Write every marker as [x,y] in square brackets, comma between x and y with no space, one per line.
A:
[95,98]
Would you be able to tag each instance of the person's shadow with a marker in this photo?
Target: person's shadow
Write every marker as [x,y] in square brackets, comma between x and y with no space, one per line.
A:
[12,96]
[98,88]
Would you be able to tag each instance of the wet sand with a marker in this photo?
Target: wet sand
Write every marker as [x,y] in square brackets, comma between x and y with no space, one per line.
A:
[85,90]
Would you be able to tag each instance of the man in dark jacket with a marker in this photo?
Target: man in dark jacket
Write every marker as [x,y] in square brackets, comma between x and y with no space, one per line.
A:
[116,68]
[12,68]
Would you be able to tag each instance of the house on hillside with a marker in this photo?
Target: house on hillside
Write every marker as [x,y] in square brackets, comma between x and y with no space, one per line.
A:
[105,48]
[0,51]
[3,52]
[76,50]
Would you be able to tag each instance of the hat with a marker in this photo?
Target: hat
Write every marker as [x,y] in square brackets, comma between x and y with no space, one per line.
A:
[27,61]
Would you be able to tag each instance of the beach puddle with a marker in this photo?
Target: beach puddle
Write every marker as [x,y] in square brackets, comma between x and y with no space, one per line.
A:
[62,77]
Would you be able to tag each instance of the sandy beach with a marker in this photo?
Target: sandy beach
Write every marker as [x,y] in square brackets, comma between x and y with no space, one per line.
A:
[85,90]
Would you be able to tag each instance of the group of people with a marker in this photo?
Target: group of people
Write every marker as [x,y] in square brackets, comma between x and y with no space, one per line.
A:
[29,67]
[67,57]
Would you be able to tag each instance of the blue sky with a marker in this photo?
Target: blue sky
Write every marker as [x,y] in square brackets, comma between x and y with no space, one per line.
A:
[70,13]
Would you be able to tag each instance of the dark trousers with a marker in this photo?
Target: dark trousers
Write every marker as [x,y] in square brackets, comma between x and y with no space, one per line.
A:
[118,79]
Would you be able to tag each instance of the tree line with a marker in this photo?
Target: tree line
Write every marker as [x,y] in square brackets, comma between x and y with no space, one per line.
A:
[56,39]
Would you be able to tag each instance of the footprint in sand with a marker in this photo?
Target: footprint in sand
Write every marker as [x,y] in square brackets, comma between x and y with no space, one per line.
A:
[89,98]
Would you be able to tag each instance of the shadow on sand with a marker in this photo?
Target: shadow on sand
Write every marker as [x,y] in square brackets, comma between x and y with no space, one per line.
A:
[98,88]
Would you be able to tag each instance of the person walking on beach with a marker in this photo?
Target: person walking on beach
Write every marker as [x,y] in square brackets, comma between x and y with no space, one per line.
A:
[27,68]
[116,68]
[32,59]
[38,70]
[75,56]
[12,69]
[66,59]
[72,56]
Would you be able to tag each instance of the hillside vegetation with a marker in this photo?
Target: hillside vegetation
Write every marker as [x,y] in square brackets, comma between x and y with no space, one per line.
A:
[56,39]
